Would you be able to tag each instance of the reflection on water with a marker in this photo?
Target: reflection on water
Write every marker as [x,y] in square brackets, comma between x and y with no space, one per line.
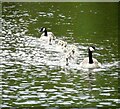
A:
[34,73]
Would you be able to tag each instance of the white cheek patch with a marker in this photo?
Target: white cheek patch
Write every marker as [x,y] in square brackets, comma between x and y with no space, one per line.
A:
[43,29]
[91,49]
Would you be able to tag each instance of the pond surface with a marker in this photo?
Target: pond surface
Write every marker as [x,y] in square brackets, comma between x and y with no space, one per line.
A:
[35,74]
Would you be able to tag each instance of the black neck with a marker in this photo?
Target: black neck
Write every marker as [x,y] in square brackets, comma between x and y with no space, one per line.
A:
[90,57]
[45,33]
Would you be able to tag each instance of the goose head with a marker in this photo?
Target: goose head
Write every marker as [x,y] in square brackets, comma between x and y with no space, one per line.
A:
[91,48]
[42,29]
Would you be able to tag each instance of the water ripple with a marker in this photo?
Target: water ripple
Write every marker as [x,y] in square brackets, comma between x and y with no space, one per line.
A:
[35,73]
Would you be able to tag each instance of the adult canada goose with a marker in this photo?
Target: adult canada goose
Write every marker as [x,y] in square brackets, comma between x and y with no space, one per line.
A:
[90,62]
[46,36]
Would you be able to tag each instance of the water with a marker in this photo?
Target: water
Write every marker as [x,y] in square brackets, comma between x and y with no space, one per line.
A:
[35,74]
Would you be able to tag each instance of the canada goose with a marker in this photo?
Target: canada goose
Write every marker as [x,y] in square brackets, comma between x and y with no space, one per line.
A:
[72,49]
[90,62]
[62,43]
[68,56]
[71,52]
[46,36]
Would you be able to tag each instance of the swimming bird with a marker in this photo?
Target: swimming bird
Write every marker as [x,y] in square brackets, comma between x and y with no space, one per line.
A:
[90,62]
[46,36]
[62,43]
[72,49]
[68,57]
[71,53]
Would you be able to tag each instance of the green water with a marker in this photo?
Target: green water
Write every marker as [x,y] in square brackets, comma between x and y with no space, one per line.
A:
[36,75]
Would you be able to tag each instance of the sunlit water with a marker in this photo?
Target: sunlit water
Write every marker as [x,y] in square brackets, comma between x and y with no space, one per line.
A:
[35,73]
